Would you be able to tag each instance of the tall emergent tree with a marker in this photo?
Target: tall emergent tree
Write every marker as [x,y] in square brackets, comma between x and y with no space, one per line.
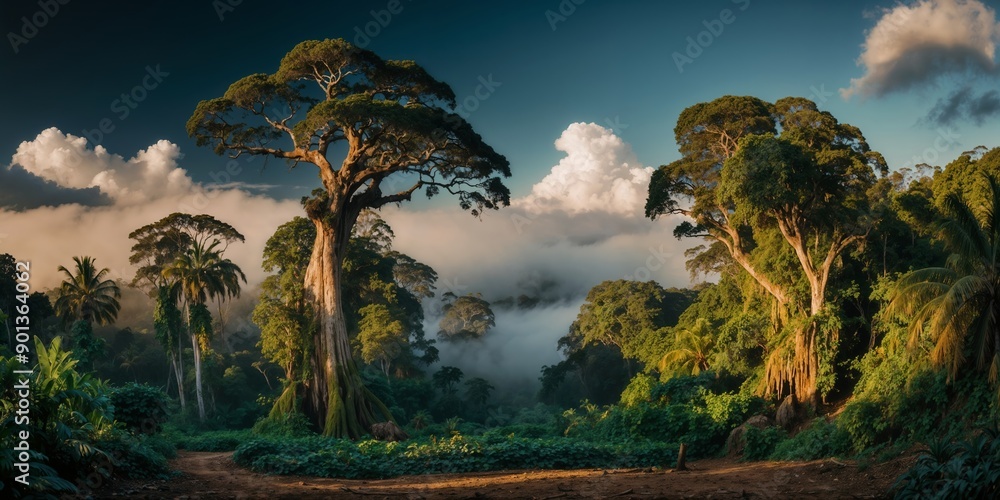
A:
[199,275]
[157,246]
[760,194]
[396,123]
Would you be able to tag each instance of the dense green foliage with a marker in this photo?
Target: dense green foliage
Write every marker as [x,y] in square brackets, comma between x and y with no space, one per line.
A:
[141,408]
[324,457]
[966,469]
[873,292]
[74,440]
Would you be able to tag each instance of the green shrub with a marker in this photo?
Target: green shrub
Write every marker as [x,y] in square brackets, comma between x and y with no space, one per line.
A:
[681,390]
[211,440]
[327,457]
[761,443]
[820,440]
[132,458]
[674,423]
[140,407]
[865,424]
[160,445]
[919,409]
[639,390]
[968,469]
[291,425]
[523,430]
[729,410]
[71,419]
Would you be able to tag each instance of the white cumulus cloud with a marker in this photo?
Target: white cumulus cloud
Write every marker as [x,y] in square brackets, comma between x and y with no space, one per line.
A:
[600,173]
[914,44]
[66,160]
[140,190]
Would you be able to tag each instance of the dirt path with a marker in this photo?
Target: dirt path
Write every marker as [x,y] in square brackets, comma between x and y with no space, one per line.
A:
[215,476]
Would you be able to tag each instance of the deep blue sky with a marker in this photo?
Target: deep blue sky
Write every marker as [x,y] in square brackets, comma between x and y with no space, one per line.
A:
[608,62]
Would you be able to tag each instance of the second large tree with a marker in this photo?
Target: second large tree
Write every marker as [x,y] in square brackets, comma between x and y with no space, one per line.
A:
[772,185]
[399,135]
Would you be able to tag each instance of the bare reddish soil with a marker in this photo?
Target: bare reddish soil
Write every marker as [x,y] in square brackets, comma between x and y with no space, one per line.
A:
[214,475]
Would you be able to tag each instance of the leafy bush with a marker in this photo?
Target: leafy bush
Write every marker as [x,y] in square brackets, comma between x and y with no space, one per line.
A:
[681,390]
[968,469]
[639,390]
[327,457]
[140,407]
[70,416]
[919,408]
[673,423]
[539,414]
[821,439]
[680,410]
[135,458]
[761,443]
[729,410]
[291,425]
[865,424]
[522,430]
[210,440]
[160,445]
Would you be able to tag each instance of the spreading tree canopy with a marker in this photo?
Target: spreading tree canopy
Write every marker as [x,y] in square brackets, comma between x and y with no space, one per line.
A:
[774,185]
[396,123]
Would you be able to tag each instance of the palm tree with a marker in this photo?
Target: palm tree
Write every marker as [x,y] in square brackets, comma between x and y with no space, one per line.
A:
[958,305]
[87,295]
[691,350]
[200,275]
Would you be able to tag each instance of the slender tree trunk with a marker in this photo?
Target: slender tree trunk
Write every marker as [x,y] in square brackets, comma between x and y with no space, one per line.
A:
[179,368]
[197,376]
[336,398]
[222,326]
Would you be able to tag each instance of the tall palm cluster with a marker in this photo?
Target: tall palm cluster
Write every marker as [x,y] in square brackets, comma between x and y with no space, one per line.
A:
[958,306]
[199,275]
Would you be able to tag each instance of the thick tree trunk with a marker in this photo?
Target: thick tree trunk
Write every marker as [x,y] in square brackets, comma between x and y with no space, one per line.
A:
[806,365]
[335,396]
